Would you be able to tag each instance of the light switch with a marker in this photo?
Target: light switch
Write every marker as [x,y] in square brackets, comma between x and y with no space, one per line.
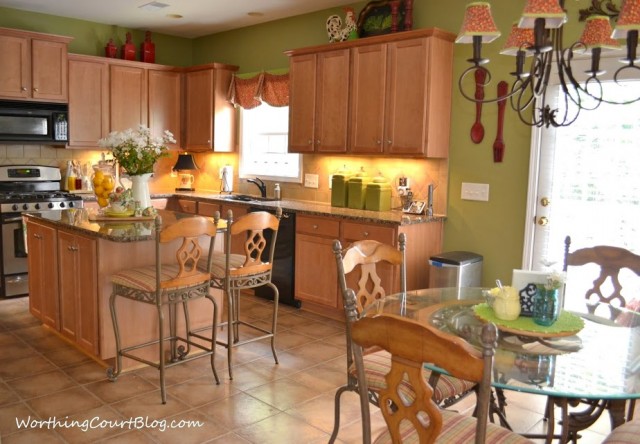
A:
[475,191]
[311,180]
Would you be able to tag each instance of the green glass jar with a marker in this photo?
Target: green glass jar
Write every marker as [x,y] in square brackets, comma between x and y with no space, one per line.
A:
[546,307]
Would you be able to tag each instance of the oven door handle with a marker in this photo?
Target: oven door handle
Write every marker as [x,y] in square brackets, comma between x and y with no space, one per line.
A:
[12,219]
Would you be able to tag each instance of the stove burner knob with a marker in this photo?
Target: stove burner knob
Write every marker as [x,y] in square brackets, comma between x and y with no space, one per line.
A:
[37,207]
[61,204]
[14,207]
[71,205]
[25,207]
[50,204]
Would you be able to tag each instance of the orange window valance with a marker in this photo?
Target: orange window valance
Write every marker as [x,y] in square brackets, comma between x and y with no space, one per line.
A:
[272,89]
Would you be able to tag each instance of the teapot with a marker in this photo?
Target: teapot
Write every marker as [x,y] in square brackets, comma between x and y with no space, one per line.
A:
[505,302]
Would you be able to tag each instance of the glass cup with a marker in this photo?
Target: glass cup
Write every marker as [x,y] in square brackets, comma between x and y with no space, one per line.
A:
[546,307]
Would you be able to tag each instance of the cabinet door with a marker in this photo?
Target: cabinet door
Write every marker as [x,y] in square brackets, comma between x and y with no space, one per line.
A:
[15,75]
[406,99]
[199,109]
[78,290]
[187,206]
[88,102]
[389,275]
[332,102]
[49,70]
[128,97]
[208,209]
[368,85]
[43,273]
[164,103]
[302,103]
[315,253]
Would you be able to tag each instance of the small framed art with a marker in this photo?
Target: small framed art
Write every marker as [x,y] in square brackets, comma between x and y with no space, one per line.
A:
[527,282]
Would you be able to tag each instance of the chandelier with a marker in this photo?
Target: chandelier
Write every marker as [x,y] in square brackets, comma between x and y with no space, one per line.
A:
[538,37]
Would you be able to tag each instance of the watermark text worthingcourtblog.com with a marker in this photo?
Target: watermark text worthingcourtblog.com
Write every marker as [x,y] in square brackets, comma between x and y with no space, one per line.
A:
[134,423]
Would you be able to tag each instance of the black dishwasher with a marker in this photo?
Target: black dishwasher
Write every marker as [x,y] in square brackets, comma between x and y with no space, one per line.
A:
[283,259]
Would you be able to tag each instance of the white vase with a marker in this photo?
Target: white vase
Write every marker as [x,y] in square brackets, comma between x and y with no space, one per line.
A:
[140,189]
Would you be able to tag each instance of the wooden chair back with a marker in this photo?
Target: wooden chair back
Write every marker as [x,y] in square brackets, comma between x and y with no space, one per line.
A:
[611,261]
[410,345]
[367,254]
[251,227]
[190,230]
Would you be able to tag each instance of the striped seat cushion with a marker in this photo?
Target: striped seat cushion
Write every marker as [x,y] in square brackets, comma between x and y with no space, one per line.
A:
[458,429]
[144,278]
[378,364]
[625,434]
[219,264]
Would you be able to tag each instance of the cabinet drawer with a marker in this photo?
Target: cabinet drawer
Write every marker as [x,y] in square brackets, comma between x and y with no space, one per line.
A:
[318,226]
[207,209]
[187,206]
[354,231]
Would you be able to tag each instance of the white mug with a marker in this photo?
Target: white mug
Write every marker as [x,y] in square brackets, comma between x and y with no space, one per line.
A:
[186,180]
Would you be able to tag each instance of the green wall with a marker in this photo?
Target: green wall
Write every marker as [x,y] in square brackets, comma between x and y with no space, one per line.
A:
[494,229]
[90,38]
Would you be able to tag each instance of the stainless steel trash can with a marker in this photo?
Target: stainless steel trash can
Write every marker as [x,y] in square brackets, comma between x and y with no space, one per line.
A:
[455,269]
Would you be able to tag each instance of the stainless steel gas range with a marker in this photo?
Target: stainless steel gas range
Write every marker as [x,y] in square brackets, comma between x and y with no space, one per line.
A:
[25,188]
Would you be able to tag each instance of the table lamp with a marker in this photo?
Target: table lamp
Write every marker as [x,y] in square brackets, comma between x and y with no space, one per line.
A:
[185,180]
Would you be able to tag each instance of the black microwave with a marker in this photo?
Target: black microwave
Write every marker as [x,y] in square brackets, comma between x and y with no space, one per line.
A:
[34,122]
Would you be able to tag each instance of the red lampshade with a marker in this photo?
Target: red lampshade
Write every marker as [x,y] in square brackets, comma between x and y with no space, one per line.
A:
[519,38]
[628,20]
[597,33]
[478,22]
[549,10]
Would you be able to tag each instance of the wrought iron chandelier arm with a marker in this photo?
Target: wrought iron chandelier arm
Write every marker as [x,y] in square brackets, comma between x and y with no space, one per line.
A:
[472,97]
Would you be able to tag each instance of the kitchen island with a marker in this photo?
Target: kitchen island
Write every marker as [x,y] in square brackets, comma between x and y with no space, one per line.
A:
[71,260]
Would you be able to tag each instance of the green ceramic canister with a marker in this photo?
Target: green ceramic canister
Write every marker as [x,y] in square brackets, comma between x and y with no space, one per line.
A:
[357,191]
[339,189]
[378,195]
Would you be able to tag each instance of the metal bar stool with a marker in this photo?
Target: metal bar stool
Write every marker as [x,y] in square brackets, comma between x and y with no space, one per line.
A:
[170,284]
[234,272]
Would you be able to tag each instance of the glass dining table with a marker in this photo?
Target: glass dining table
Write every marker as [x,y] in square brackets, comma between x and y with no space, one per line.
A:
[599,365]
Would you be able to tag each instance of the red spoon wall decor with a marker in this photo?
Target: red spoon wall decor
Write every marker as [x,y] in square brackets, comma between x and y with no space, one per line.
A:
[498,145]
[477,130]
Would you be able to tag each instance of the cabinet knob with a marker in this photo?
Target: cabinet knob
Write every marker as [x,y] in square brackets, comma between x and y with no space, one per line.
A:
[37,236]
[315,227]
[35,89]
[310,142]
[389,142]
[378,142]
[318,142]
[365,233]
[24,88]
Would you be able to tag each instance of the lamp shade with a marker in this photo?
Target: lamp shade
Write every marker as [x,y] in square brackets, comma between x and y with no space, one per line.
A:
[549,10]
[185,162]
[628,20]
[478,22]
[597,33]
[519,38]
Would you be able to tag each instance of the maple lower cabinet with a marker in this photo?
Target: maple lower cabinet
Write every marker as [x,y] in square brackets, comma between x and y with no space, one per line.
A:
[88,101]
[395,95]
[210,119]
[43,273]
[77,262]
[318,102]
[34,66]
[314,255]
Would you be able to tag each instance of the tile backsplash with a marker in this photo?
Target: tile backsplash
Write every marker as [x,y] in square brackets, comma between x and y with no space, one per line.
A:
[421,172]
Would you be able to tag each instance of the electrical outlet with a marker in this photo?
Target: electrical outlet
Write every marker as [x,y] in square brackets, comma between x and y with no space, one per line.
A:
[475,191]
[311,180]
[330,180]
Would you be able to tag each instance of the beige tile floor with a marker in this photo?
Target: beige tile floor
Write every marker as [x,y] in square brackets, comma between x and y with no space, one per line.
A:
[43,377]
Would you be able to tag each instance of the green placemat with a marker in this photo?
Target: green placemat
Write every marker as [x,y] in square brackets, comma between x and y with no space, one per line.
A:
[567,323]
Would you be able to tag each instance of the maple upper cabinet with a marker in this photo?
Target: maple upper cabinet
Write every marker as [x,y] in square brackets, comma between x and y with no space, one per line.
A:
[210,119]
[319,102]
[127,96]
[88,101]
[398,95]
[34,66]
[165,103]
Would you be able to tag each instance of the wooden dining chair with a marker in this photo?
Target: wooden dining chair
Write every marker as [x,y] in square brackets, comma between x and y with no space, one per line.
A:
[235,272]
[611,260]
[168,284]
[406,401]
[627,433]
[361,264]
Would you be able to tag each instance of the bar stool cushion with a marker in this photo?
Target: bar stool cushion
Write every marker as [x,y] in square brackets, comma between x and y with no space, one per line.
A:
[218,268]
[627,433]
[144,278]
[378,364]
[456,428]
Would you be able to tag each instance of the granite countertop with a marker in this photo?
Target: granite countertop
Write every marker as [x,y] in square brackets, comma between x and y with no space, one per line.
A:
[393,217]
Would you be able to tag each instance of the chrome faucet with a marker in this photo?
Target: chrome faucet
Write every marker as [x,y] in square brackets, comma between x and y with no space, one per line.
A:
[260,184]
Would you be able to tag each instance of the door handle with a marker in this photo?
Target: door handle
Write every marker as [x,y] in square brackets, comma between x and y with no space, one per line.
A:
[543,221]
[545,201]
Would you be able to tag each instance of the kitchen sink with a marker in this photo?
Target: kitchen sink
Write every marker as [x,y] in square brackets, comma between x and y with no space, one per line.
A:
[247,198]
